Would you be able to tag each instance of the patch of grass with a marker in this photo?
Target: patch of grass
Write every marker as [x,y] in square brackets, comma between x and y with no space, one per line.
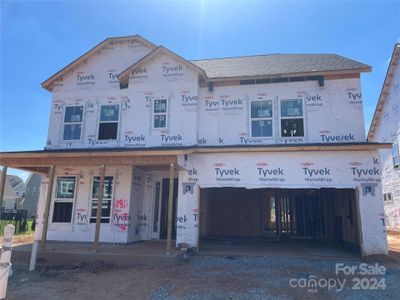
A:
[18,230]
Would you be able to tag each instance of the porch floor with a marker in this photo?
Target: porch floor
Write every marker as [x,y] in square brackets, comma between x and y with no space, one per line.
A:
[270,247]
[150,253]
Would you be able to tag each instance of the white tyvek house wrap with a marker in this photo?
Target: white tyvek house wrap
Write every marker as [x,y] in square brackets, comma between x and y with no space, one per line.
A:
[162,78]
[286,170]
[388,130]
[333,113]
[79,229]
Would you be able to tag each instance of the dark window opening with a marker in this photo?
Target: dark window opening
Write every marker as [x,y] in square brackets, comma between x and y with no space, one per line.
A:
[107,196]
[62,212]
[292,127]
[108,131]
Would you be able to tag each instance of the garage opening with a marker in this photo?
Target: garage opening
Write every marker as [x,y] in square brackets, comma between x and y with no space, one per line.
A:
[320,215]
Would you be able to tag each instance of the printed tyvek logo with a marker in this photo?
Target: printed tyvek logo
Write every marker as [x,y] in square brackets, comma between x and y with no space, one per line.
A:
[269,175]
[364,175]
[83,79]
[226,174]
[171,140]
[132,140]
[316,174]
[112,77]
[337,138]
[354,96]
[314,100]
[170,70]
[229,104]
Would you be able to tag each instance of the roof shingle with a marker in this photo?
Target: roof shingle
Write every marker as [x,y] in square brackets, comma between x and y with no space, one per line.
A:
[276,64]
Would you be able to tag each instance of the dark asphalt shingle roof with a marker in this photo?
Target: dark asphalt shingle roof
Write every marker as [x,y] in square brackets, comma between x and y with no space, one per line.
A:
[276,64]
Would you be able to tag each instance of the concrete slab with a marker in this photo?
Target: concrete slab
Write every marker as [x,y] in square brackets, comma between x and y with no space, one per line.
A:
[148,253]
[283,248]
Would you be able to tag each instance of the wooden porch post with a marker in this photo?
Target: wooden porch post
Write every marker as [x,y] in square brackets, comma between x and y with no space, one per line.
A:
[2,185]
[47,208]
[170,207]
[99,207]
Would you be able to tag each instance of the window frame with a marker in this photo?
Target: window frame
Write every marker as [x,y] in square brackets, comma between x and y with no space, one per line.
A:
[64,200]
[261,119]
[292,117]
[397,156]
[111,199]
[102,122]
[154,114]
[73,123]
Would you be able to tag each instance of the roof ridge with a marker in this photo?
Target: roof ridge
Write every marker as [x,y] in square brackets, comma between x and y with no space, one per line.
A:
[263,55]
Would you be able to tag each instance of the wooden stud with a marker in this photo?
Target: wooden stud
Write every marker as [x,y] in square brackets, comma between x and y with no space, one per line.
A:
[99,207]
[3,185]
[47,208]
[170,207]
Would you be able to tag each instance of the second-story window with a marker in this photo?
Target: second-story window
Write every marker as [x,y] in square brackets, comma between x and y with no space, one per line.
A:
[73,123]
[261,118]
[160,113]
[292,118]
[108,126]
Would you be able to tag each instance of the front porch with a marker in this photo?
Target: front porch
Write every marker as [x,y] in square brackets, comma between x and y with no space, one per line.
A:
[144,253]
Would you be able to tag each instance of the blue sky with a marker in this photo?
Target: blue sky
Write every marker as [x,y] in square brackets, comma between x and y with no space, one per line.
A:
[38,38]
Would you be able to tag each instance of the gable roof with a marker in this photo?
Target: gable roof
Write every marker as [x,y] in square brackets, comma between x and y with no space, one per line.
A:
[394,61]
[124,75]
[278,64]
[48,83]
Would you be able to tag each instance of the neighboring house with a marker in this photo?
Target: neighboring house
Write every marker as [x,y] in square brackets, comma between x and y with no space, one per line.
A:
[32,194]
[14,192]
[385,128]
[254,146]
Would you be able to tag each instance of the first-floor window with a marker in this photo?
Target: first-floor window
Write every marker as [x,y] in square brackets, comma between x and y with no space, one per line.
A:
[292,118]
[108,125]
[396,154]
[261,118]
[107,199]
[160,113]
[64,199]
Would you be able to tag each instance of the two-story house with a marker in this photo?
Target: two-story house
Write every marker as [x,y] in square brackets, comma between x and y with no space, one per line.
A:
[249,147]
[385,128]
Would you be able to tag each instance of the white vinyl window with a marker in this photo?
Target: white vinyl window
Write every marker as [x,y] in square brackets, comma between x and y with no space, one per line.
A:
[292,118]
[107,199]
[108,126]
[73,123]
[160,113]
[261,118]
[64,199]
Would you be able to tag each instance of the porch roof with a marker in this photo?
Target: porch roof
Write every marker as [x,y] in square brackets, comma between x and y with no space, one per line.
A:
[39,161]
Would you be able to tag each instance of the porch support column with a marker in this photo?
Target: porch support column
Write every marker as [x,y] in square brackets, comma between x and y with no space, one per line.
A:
[99,207]
[47,208]
[170,207]
[2,185]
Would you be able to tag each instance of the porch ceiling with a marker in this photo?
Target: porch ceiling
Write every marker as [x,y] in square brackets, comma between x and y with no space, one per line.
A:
[40,162]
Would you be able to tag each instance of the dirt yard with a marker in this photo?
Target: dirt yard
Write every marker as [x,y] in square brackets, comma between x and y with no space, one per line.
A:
[212,278]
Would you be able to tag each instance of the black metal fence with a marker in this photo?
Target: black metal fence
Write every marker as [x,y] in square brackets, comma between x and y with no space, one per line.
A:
[17,217]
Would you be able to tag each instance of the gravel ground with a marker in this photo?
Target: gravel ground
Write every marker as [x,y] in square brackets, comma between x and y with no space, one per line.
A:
[200,278]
